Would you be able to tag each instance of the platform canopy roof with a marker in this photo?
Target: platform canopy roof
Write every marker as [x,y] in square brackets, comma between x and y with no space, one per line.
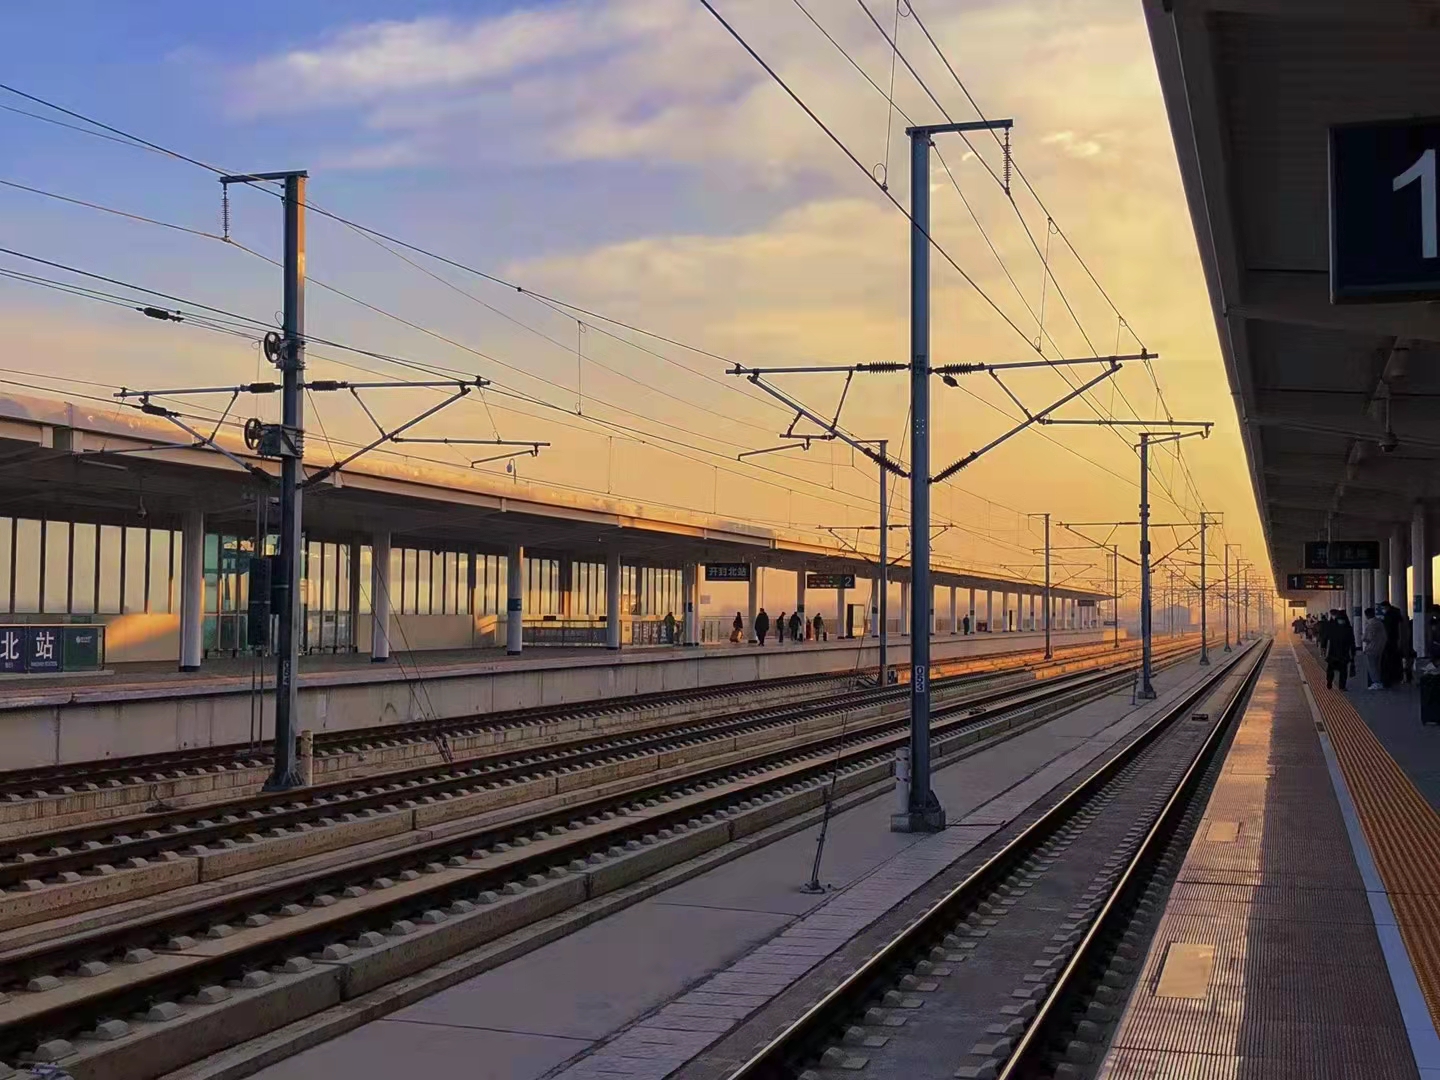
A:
[1253,88]
[84,462]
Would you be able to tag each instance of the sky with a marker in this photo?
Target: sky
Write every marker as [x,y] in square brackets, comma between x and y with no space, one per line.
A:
[629,158]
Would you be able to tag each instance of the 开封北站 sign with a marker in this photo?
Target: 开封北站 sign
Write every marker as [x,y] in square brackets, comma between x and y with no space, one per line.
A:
[1342,555]
[727,571]
[829,581]
[1384,221]
[1314,582]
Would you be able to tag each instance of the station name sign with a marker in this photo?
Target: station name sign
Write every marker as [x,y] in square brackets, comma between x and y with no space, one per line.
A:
[829,581]
[727,571]
[50,650]
[1342,555]
[1384,232]
[1314,582]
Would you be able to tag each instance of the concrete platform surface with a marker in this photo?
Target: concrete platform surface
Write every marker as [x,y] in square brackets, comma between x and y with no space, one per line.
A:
[646,990]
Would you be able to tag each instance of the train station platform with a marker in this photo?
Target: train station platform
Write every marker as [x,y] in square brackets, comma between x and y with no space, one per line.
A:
[1301,938]
[675,977]
[151,708]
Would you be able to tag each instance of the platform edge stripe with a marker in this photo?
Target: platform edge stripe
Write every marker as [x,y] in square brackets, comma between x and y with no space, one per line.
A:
[1402,833]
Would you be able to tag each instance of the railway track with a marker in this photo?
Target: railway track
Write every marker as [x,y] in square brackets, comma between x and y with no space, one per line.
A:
[235,965]
[23,784]
[222,832]
[1016,972]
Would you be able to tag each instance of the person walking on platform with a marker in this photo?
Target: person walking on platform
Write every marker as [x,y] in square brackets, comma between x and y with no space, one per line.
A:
[1339,650]
[781,625]
[1372,638]
[797,628]
[820,628]
[669,628]
[762,626]
[1391,664]
[1322,633]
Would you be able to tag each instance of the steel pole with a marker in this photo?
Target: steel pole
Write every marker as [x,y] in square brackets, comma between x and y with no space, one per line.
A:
[1204,622]
[884,608]
[925,813]
[1115,588]
[288,568]
[1146,690]
[1048,653]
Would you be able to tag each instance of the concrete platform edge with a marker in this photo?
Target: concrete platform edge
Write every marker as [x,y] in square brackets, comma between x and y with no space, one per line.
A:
[1419,1025]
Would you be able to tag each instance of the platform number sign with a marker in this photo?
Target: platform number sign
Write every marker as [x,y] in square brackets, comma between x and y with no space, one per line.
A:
[919,676]
[1384,211]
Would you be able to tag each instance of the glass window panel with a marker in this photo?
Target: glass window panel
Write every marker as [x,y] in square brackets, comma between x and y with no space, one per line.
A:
[135,555]
[329,568]
[27,565]
[56,585]
[423,563]
[393,582]
[367,580]
[7,526]
[159,571]
[110,571]
[342,576]
[82,570]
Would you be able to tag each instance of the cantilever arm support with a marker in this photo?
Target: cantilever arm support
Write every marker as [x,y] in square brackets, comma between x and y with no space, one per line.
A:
[385,436]
[202,441]
[831,428]
[1037,418]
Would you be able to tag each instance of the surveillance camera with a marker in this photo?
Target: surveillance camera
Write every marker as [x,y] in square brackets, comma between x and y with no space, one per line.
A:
[1389,443]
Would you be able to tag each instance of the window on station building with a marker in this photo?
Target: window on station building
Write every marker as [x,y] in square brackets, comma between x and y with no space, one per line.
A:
[111,539]
[7,550]
[366,573]
[26,587]
[55,568]
[83,566]
[160,581]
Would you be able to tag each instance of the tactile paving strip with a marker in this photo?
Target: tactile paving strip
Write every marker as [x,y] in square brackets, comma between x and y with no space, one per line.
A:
[1402,828]
[1298,986]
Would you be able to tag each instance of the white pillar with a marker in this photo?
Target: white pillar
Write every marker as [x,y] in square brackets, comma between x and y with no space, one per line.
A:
[754,602]
[514,599]
[691,584]
[971,611]
[380,597]
[1031,626]
[1367,590]
[1397,570]
[1420,571]
[990,611]
[613,613]
[954,615]
[840,611]
[192,590]
[904,607]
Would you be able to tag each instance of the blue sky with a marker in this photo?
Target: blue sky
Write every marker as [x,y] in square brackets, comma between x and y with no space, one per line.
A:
[625,154]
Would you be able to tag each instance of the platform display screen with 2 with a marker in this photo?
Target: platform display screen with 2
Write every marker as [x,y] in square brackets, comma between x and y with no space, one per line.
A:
[1384,220]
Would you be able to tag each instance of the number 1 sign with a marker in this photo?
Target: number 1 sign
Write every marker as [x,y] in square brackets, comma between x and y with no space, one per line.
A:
[1384,232]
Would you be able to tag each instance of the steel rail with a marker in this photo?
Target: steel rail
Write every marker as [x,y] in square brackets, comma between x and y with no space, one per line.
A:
[786,1055]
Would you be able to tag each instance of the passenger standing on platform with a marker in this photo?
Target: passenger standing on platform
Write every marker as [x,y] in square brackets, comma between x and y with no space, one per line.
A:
[1339,650]
[797,628]
[1372,636]
[1322,633]
[781,624]
[669,628]
[737,629]
[762,626]
[819,627]
[1390,662]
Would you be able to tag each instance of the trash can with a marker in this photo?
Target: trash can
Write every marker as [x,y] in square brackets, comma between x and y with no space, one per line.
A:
[1429,697]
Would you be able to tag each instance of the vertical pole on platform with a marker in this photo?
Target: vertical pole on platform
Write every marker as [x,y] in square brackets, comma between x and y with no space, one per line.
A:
[1204,624]
[1146,690]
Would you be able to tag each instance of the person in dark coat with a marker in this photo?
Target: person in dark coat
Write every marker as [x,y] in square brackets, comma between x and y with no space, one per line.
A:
[669,628]
[819,625]
[797,631]
[781,625]
[762,626]
[1339,650]
[1322,633]
[1391,665]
